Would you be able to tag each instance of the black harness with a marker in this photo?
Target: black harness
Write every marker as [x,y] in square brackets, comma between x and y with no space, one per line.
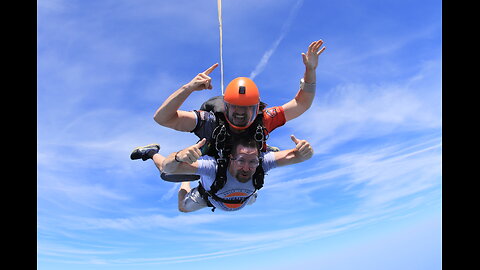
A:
[220,147]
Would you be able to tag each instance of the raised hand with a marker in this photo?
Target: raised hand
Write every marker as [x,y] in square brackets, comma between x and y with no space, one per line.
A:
[303,147]
[310,59]
[192,153]
[202,80]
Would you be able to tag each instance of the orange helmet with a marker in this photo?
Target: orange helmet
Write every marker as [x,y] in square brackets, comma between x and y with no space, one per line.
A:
[242,101]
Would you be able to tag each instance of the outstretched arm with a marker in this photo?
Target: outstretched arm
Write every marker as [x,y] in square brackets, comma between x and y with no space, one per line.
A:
[304,98]
[302,151]
[169,115]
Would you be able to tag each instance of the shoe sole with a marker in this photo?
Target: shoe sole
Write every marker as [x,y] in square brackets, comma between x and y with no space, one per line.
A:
[137,149]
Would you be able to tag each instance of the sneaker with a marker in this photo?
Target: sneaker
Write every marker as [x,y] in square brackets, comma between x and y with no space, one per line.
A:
[144,152]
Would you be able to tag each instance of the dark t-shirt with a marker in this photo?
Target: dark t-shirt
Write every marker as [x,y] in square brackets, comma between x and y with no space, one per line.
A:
[206,121]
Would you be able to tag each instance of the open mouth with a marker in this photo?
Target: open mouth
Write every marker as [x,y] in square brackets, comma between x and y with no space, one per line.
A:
[239,118]
[244,174]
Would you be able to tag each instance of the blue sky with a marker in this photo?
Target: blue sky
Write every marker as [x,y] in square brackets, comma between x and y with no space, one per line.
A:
[370,197]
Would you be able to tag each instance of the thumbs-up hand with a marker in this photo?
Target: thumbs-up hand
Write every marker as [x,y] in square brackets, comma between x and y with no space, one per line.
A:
[192,153]
[303,148]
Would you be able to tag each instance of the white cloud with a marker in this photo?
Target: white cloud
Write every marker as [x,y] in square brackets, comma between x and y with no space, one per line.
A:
[361,111]
[402,169]
[171,192]
[90,118]
[286,26]
[146,222]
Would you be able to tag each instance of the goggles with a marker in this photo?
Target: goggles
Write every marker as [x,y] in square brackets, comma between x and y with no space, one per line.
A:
[240,116]
[241,161]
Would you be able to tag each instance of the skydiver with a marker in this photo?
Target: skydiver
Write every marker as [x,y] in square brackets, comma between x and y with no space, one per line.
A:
[239,188]
[241,104]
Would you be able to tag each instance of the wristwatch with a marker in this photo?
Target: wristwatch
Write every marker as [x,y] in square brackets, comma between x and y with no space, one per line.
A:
[309,87]
[176,156]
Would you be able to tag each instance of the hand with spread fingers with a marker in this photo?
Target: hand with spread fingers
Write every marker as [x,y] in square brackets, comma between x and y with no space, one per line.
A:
[310,59]
[202,80]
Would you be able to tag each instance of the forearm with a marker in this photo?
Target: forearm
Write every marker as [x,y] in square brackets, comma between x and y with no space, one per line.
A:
[306,94]
[296,157]
[302,151]
[170,165]
[168,110]
[304,100]
[310,75]
[288,157]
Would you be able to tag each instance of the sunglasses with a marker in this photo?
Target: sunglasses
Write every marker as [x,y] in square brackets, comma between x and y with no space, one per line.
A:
[242,161]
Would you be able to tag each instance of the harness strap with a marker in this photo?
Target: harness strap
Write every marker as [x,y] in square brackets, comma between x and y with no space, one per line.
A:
[205,194]
[259,175]
[221,139]
[220,176]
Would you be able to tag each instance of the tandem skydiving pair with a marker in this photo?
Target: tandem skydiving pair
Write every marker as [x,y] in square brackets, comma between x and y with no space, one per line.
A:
[232,156]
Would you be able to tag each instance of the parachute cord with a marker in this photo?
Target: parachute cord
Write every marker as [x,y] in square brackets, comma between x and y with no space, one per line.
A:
[219,7]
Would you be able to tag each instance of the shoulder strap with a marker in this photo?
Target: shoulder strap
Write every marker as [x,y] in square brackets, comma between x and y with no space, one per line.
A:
[222,141]
[220,176]
[259,176]
[205,195]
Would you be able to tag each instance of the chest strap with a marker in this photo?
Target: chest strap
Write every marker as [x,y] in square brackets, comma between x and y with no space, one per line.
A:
[205,194]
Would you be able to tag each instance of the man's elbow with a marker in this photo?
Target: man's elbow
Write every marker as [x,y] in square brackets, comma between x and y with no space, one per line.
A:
[159,119]
[166,122]
[298,111]
[175,122]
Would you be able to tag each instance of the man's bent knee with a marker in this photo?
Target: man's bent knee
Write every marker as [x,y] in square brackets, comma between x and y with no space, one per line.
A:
[190,201]
[183,210]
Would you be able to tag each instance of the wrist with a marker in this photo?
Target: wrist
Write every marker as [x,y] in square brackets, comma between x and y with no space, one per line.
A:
[310,76]
[176,159]
[187,88]
[310,69]
[308,86]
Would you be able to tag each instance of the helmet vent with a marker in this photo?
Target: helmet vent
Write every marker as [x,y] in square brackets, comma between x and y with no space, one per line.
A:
[241,90]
